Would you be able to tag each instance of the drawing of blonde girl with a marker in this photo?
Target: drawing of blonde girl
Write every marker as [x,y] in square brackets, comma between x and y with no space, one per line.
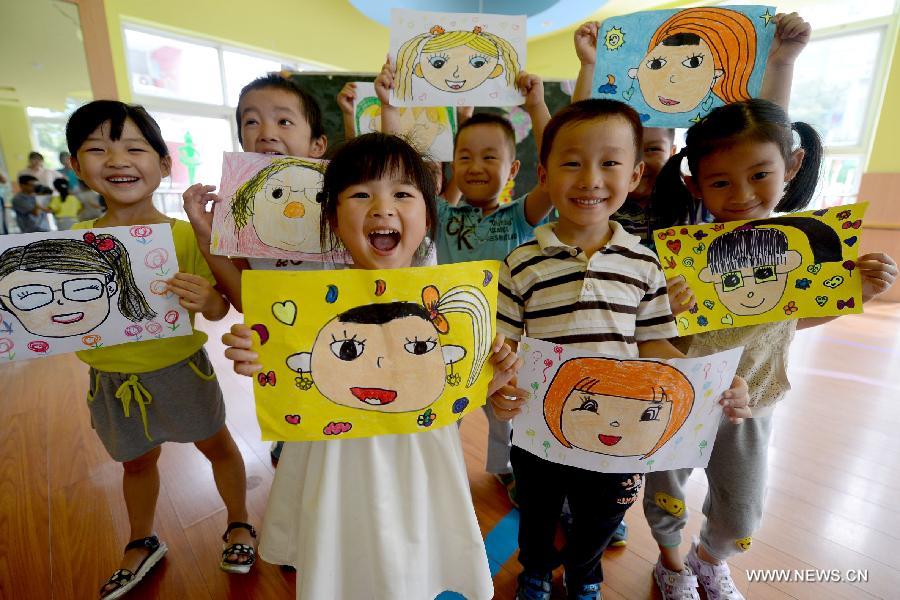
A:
[455,61]
[421,125]
[695,54]
[280,201]
[388,356]
[617,407]
[63,287]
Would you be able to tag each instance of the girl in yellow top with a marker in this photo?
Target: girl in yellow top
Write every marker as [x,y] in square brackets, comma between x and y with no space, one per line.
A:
[66,206]
[147,393]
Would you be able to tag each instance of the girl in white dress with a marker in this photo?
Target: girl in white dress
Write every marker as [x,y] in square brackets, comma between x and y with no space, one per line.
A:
[385,517]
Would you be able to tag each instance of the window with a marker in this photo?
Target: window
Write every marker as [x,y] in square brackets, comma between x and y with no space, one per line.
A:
[191,87]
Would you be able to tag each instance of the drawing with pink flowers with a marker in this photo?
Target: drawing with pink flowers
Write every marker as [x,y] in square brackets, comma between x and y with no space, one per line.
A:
[75,290]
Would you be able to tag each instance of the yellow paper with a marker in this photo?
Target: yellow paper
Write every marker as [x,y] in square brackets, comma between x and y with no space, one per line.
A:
[356,353]
[749,272]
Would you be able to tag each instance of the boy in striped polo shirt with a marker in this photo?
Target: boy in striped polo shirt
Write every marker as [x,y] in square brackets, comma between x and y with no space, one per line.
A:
[587,282]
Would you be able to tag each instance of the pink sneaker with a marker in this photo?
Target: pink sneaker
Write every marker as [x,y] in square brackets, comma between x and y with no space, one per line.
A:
[673,585]
[715,579]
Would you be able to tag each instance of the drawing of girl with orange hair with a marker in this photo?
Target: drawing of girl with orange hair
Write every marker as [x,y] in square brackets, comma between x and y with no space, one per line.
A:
[695,53]
[617,407]
[455,61]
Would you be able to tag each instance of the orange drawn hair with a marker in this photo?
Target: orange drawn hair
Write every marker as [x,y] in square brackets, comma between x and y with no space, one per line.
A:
[731,39]
[637,379]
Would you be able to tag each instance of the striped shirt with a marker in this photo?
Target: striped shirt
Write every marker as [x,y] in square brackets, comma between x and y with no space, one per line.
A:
[608,303]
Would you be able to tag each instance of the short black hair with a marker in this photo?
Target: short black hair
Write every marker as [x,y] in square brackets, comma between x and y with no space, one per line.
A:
[488,118]
[370,157]
[27,179]
[33,155]
[308,104]
[382,312]
[588,110]
[92,115]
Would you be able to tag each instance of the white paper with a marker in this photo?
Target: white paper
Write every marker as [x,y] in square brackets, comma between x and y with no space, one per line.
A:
[456,59]
[620,415]
[64,291]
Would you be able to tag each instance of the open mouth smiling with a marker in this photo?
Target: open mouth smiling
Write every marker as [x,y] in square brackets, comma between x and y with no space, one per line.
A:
[384,240]
[67,318]
[609,440]
[455,84]
[374,396]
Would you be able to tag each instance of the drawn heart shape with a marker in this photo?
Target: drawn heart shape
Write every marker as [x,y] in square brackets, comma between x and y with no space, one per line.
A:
[292,419]
[627,94]
[814,269]
[495,95]
[851,240]
[285,312]
[821,300]
[833,282]
[728,320]
[262,331]
[709,304]
[674,245]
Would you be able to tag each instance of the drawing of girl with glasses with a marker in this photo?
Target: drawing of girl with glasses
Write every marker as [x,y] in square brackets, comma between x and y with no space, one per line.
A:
[280,202]
[64,287]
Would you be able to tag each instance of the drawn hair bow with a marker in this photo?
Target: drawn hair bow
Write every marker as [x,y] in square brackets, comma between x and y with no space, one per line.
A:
[101,243]
[431,298]
[266,378]
[842,304]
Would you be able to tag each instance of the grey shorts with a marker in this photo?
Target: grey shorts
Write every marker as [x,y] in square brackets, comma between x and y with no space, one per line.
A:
[134,413]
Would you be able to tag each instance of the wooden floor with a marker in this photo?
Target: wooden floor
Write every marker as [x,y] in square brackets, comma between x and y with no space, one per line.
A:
[833,500]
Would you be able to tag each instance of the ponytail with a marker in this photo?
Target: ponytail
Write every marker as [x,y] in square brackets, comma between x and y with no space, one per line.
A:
[802,187]
[132,303]
[671,203]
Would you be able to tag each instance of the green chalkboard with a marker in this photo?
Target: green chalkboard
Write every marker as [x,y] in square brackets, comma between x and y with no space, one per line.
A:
[325,87]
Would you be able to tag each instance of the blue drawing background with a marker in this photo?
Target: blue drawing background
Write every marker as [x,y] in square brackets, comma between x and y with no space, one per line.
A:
[638,29]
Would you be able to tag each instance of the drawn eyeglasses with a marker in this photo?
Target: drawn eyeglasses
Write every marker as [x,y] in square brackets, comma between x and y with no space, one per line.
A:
[30,297]
[735,279]
[279,193]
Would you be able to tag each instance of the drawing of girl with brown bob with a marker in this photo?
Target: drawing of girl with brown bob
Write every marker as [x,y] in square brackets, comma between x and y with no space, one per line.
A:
[617,407]
[695,53]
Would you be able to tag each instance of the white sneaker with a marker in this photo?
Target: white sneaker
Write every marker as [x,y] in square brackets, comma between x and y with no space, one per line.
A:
[673,585]
[715,579]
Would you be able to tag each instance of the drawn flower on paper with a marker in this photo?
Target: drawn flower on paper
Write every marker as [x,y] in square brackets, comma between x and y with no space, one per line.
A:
[156,258]
[141,233]
[171,317]
[159,287]
[133,330]
[92,340]
[454,379]
[426,418]
[153,328]
[790,308]
[304,383]
[6,345]
[39,346]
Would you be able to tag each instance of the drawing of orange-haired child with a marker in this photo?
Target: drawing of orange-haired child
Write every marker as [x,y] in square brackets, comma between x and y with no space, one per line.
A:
[695,53]
[617,407]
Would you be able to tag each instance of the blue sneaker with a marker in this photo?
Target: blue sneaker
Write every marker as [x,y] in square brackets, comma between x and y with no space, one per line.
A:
[533,588]
[620,537]
[587,591]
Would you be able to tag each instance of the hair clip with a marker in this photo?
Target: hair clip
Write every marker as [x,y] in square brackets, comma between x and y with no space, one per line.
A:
[436,30]
[104,244]
[430,299]
[477,29]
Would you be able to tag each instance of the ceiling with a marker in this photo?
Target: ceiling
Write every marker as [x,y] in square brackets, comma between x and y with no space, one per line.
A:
[544,16]
[43,56]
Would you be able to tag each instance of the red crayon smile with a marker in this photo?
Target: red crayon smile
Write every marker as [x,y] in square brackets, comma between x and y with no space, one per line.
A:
[374,396]
[609,440]
[67,318]
[668,101]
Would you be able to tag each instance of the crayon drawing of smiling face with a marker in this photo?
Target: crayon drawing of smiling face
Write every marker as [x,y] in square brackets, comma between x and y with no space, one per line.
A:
[280,201]
[674,77]
[380,357]
[617,408]
[57,305]
[749,269]
[458,69]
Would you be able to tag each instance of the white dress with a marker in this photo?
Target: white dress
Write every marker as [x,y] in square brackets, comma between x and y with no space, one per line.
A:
[383,518]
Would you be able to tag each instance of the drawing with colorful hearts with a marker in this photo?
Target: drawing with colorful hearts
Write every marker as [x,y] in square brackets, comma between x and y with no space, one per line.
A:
[748,272]
[611,414]
[685,62]
[456,59]
[383,351]
[272,210]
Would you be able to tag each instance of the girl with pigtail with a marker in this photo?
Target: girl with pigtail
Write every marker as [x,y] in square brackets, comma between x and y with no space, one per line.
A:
[455,61]
[743,166]
[144,393]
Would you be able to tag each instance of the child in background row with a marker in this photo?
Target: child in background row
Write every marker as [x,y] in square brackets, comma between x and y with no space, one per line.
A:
[150,392]
[743,167]
[478,227]
[391,516]
[586,282]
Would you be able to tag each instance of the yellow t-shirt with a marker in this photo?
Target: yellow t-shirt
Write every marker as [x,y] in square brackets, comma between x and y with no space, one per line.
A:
[150,355]
[65,210]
